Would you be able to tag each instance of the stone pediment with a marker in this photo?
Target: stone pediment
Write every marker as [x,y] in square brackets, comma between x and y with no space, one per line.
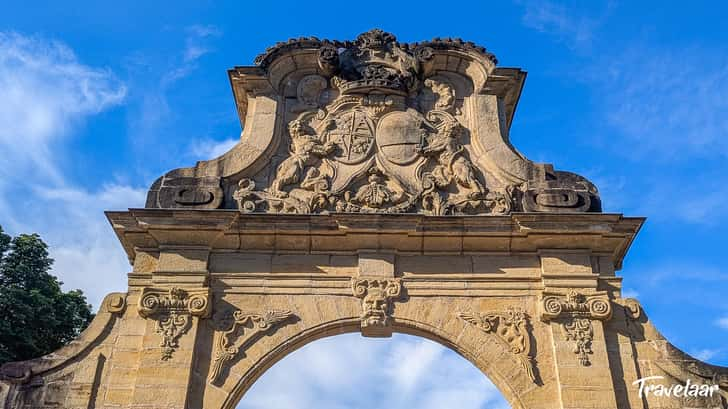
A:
[376,126]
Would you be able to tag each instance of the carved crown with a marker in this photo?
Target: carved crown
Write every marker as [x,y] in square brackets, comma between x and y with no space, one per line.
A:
[375,61]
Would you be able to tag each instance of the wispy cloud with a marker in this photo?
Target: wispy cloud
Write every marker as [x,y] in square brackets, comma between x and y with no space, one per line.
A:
[629,293]
[151,112]
[702,197]
[204,148]
[666,102]
[706,354]
[46,93]
[400,372]
[86,251]
[683,270]
[71,220]
[722,322]
[196,43]
[567,24]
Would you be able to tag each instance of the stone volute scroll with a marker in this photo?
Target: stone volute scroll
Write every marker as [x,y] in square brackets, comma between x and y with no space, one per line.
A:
[511,328]
[172,309]
[575,312]
[377,295]
[244,328]
[374,125]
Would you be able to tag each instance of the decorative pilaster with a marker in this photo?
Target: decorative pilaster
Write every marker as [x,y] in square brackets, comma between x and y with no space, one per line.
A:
[575,312]
[172,310]
[376,295]
[511,329]
[245,327]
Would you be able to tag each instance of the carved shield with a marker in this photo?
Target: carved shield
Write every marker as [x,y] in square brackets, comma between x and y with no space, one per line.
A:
[399,137]
[354,135]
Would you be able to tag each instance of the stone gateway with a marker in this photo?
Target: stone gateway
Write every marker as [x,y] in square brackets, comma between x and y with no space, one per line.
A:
[374,190]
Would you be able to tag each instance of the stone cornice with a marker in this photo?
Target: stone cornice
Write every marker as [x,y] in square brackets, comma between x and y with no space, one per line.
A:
[343,233]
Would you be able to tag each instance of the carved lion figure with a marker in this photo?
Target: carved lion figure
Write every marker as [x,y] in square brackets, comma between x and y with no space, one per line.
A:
[307,151]
[452,163]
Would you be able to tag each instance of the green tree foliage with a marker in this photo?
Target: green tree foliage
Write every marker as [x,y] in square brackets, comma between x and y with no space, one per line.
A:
[36,316]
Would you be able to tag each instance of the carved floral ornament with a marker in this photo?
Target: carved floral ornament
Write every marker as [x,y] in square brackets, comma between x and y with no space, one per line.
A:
[376,295]
[511,329]
[575,311]
[173,309]
[244,327]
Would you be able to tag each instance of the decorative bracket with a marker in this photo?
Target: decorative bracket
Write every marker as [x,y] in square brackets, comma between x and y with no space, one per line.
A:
[376,295]
[172,309]
[511,329]
[227,344]
[575,312]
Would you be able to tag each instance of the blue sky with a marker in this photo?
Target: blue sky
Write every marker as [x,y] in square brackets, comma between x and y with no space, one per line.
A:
[99,100]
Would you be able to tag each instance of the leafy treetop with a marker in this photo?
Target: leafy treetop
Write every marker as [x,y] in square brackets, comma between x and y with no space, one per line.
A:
[36,315]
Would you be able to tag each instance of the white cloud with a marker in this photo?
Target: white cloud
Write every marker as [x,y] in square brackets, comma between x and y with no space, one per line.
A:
[86,251]
[629,293]
[408,363]
[46,92]
[152,114]
[204,149]
[722,322]
[196,44]
[349,371]
[669,102]
[705,354]
[567,24]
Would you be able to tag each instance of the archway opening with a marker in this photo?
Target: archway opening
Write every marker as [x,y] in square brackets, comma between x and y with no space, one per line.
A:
[350,371]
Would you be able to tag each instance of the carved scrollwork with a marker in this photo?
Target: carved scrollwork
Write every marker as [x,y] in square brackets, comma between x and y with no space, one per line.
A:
[172,309]
[445,95]
[576,311]
[309,92]
[511,329]
[632,308]
[453,167]
[376,295]
[411,110]
[189,192]
[560,192]
[244,327]
[116,302]
[379,130]
[378,194]
[307,150]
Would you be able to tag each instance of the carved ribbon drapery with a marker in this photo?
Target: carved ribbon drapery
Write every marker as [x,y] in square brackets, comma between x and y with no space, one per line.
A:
[376,295]
[511,328]
[172,310]
[575,312]
[228,344]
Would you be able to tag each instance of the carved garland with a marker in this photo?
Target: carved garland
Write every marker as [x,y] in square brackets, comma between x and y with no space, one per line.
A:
[575,312]
[511,329]
[172,309]
[227,343]
[376,295]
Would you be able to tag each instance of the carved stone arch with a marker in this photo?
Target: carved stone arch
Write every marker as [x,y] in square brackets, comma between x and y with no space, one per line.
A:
[503,381]
[527,291]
